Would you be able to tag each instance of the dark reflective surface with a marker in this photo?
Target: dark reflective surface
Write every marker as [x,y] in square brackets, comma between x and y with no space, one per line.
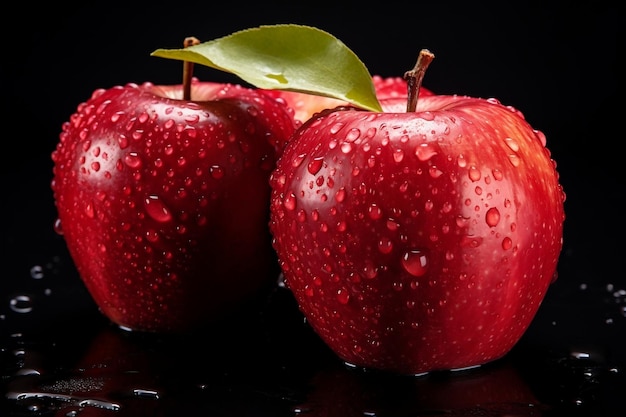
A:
[59,357]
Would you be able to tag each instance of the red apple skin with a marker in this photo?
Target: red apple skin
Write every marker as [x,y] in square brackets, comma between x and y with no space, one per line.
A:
[163,202]
[390,91]
[423,241]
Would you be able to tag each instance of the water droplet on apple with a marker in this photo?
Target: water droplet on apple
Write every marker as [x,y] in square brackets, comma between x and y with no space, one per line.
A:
[385,245]
[297,160]
[462,222]
[132,159]
[278,179]
[369,271]
[301,216]
[471,241]
[152,236]
[194,118]
[427,115]
[216,172]
[512,144]
[102,107]
[415,262]
[514,159]
[315,165]
[157,209]
[137,134]
[336,128]
[191,132]
[122,141]
[375,212]
[555,276]
[507,243]
[474,173]
[541,136]
[492,217]
[143,117]
[434,172]
[308,291]
[116,116]
[392,225]
[341,195]
[290,201]
[89,210]
[343,297]
[371,161]
[424,152]
[353,135]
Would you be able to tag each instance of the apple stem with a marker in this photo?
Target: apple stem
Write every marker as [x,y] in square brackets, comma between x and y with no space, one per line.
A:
[415,77]
[188,69]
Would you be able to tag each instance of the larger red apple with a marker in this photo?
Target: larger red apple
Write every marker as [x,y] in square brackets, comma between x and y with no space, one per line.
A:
[163,201]
[421,240]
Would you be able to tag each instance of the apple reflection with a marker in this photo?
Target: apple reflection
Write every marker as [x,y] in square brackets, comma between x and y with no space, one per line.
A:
[495,389]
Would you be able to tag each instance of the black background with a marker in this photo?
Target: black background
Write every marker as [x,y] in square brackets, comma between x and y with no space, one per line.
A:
[561,65]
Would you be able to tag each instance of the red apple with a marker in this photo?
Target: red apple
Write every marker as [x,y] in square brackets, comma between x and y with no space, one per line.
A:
[419,240]
[390,91]
[163,201]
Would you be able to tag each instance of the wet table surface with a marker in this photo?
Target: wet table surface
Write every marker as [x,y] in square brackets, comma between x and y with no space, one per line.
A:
[60,357]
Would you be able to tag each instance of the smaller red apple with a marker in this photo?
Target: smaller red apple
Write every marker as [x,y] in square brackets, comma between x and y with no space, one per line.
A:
[162,196]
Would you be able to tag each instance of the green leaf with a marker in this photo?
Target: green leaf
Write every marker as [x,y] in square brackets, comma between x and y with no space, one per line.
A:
[287,57]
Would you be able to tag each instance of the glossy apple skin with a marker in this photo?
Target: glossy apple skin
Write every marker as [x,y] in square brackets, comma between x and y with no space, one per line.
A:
[422,241]
[163,203]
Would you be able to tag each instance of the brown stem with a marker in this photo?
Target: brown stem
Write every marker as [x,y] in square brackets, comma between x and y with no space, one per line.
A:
[415,77]
[188,69]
